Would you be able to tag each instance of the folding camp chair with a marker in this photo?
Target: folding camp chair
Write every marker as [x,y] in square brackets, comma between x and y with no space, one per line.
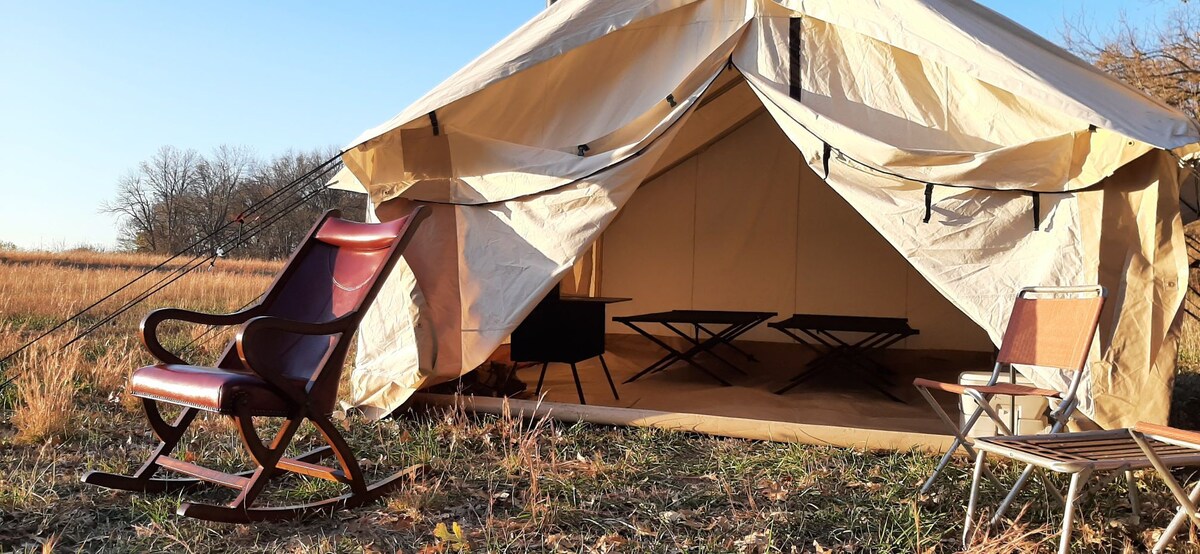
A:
[1116,452]
[1049,327]
[285,362]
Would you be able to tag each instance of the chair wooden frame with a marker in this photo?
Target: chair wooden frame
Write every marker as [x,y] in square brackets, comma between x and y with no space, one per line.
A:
[285,396]
[1066,402]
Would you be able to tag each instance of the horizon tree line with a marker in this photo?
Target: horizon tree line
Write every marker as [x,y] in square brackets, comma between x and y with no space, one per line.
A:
[180,196]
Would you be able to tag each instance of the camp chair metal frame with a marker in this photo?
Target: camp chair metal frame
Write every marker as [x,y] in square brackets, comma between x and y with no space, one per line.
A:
[1146,435]
[982,395]
[1117,452]
[278,367]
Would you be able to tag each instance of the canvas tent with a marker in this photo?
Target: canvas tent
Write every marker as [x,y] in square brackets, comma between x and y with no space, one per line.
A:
[746,148]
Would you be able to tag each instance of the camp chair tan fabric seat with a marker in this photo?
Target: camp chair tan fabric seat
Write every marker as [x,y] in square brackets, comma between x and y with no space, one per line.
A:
[1049,327]
[285,362]
[1117,452]
[1006,389]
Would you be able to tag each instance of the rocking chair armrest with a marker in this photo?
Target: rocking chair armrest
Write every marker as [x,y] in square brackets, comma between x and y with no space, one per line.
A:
[271,323]
[148,330]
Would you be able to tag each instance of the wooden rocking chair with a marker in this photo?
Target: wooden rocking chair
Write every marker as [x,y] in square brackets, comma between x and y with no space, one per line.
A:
[285,362]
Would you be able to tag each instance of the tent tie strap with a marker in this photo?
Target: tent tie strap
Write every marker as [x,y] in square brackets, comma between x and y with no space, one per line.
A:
[928,202]
[582,150]
[433,121]
[1037,210]
[825,155]
[795,57]
[671,100]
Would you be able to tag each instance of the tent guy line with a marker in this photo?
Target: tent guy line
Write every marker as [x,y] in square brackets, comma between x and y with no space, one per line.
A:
[316,173]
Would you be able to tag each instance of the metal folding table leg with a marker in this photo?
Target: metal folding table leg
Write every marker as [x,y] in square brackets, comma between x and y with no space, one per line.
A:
[704,346]
[685,356]
[541,379]
[747,355]
[578,385]
[608,376]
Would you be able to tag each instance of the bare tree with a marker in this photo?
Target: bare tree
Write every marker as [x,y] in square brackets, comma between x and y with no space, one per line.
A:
[218,191]
[178,198]
[171,176]
[136,207]
[1163,61]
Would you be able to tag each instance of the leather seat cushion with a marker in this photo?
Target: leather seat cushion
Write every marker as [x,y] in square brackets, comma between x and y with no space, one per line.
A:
[208,388]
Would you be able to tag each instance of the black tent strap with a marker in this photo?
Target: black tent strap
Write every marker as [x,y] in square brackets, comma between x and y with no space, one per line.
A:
[433,121]
[582,150]
[795,44]
[825,155]
[1037,211]
[1037,206]
[928,202]
[671,100]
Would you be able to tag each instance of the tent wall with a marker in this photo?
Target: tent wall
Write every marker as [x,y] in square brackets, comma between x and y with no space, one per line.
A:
[747,225]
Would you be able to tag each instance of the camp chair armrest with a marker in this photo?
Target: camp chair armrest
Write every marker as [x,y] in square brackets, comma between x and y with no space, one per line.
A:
[148,329]
[269,324]
[1179,437]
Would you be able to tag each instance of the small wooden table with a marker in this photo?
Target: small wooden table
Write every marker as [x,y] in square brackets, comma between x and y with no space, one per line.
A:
[877,333]
[703,321]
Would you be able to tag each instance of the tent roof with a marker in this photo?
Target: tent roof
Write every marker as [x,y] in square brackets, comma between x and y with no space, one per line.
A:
[957,34]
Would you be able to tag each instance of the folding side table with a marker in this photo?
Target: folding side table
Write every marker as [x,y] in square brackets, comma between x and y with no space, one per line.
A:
[824,330]
[706,337]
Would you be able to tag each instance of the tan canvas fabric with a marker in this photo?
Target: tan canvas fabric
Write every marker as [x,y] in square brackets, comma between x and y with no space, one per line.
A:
[545,138]
[711,234]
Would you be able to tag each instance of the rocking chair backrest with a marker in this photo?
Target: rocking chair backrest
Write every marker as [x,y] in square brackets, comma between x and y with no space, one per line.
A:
[1052,327]
[335,273]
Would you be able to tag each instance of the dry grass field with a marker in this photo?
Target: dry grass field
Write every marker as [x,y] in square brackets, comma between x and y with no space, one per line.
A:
[490,483]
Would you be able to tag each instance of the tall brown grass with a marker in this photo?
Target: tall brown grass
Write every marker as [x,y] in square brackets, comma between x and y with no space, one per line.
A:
[128,260]
[45,394]
[39,290]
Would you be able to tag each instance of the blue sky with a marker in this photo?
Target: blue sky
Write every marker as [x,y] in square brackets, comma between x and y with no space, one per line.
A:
[89,89]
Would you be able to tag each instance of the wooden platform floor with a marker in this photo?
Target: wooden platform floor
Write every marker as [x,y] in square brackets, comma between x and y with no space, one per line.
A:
[838,398]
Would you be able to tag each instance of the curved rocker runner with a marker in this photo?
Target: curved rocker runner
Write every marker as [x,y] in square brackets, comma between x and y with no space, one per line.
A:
[285,362]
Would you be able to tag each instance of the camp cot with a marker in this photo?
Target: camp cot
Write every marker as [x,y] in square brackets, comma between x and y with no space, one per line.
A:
[912,158]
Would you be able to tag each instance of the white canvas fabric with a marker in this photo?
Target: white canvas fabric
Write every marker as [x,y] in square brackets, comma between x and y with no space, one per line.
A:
[530,152]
